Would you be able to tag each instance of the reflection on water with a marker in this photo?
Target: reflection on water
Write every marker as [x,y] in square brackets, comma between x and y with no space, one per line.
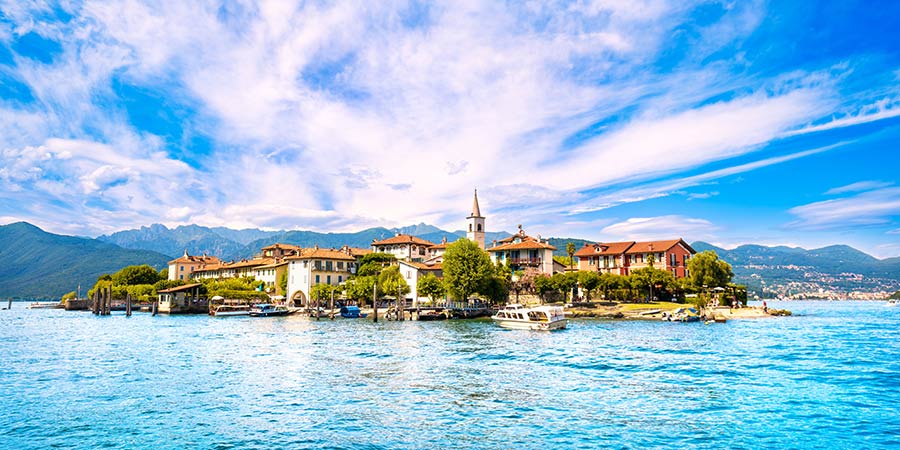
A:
[827,377]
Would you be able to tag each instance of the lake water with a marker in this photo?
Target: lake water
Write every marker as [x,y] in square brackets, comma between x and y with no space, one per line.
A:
[829,377]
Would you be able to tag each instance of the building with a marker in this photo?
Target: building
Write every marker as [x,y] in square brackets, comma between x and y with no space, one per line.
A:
[233,269]
[404,247]
[523,252]
[621,258]
[181,299]
[270,274]
[413,271]
[312,266]
[279,251]
[475,232]
[437,250]
[183,267]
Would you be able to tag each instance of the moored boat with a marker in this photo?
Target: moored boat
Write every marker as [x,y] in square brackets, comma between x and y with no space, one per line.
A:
[230,310]
[46,305]
[892,302]
[267,309]
[352,312]
[538,318]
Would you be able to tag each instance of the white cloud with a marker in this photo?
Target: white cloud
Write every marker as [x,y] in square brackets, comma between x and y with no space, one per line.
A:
[858,187]
[867,208]
[661,227]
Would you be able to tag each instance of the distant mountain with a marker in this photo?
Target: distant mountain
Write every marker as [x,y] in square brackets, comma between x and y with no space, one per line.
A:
[560,244]
[786,270]
[244,236]
[193,238]
[37,264]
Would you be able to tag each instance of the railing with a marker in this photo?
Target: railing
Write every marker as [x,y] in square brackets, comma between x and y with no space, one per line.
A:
[524,261]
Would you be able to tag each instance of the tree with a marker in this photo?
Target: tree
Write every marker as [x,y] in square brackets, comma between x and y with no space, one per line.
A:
[589,281]
[360,288]
[543,284]
[467,269]
[564,283]
[164,273]
[391,282]
[708,270]
[608,282]
[894,296]
[133,275]
[653,282]
[650,260]
[373,263]
[570,250]
[283,282]
[430,286]
[69,295]
[322,292]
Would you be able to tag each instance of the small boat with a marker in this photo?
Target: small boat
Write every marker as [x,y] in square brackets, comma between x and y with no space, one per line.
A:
[352,312]
[892,302]
[433,315]
[538,318]
[45,305]
[267,309]
[682,315]
[230,310]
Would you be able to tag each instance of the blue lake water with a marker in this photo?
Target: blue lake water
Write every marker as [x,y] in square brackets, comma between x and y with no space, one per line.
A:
[829,377]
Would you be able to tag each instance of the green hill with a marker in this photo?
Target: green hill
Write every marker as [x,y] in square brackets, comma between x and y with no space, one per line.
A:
[38,264]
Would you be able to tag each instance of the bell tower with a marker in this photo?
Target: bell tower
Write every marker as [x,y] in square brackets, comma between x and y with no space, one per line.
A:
[476,224]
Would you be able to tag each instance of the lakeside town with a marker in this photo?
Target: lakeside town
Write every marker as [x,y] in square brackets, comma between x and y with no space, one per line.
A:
[410,277]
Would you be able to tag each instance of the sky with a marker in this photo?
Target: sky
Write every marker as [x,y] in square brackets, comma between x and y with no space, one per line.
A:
[731,122]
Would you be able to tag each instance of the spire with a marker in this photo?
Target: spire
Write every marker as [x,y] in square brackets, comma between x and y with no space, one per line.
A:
[476,211]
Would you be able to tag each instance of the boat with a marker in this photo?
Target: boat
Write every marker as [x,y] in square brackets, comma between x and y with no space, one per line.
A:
[230,310]
[352,312]
[538,318]
[682,315]
[433,315]
[45,305]
[268,309]
[892,302]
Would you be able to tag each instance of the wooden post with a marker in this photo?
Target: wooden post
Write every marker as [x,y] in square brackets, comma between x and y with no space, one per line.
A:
[9,306]
[332,304]
[128,305]
[155,308]
[375,302]
[108,302]
[95,305]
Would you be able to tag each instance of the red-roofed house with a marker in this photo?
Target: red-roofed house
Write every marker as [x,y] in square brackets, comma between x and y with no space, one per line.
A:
[182,268]
[621,258]
[521,252]
[404,247]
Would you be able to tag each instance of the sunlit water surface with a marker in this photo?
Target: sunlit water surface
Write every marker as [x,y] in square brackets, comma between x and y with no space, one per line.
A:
[827,377]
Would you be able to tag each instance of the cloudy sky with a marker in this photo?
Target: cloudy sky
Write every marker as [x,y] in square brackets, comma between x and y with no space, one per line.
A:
[730,122]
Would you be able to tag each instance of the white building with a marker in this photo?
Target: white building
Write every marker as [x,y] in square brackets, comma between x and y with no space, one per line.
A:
[413,271]
[521,252]
[404,247]
[314,266]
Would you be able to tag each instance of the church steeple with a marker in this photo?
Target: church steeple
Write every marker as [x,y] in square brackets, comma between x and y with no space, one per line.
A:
[476,211]
[476,223]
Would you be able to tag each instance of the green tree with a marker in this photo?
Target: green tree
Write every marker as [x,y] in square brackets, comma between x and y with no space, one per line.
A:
[360,288]
[467,269]
[133,275]
[647,279]
[564,283]
[608,282]
[570,250]
[391,282]
[894,296]
[373,263]
[708,270]
[141,292]
[283,282]
[322,292]
[69,295]
[589,281]
[564,260]
[164,273]
[543,284]
[651,260]
[431,287]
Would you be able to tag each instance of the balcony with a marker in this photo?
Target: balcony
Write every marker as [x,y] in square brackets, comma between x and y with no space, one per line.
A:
[523,261]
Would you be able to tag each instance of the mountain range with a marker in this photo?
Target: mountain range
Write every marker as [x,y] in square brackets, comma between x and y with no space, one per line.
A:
[37,264]
[41,264]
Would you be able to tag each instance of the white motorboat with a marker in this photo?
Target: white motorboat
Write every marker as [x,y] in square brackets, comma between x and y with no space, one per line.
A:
[892,302]
[538,318]
[267,310]
[230,310]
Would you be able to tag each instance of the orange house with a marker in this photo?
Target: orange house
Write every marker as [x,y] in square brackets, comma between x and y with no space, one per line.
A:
[621,258]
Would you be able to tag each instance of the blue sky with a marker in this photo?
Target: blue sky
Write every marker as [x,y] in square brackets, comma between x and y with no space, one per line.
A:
[729,122]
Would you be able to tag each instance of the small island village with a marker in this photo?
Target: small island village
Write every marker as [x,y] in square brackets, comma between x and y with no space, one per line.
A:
[410,278]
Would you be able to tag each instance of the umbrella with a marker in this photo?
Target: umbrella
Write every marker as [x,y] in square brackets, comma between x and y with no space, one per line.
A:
[217,297]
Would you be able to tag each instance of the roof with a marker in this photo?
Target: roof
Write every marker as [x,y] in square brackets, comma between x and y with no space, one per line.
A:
[403,239]
[476,211]
[527,243]
[423,266]
[281,246]
[358,252]
[273,265]
[604,248]
[657,246]
[185,287]
[188,259]
[321,253]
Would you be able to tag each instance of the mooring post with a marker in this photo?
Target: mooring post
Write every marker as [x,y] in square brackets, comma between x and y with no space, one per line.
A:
[9,306]
[106,300]
[128,305]
[332,305]
[95,304]
[375,302]
[155,307]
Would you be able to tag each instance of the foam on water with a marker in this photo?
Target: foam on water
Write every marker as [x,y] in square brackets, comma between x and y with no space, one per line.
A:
[827,377]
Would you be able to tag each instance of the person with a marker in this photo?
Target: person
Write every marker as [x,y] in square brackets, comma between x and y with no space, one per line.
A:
[765,307]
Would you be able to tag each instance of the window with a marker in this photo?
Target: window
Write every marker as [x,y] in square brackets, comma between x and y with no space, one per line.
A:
[182,277]
[317,279]
[340,265]
[305,264]
[673,259]
[470,227]
[328,279]
[328,266]
[479,227]
[182,268]
[340,279]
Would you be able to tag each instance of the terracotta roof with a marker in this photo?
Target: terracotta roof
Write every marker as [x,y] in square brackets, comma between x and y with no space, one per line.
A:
[273,265]
[604,248]
[178,288]
[321,253]
[282,246]
[527,243]
[439,246]
[423,266]
[195,259]
[657,246]
[403,239]
[357,252]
